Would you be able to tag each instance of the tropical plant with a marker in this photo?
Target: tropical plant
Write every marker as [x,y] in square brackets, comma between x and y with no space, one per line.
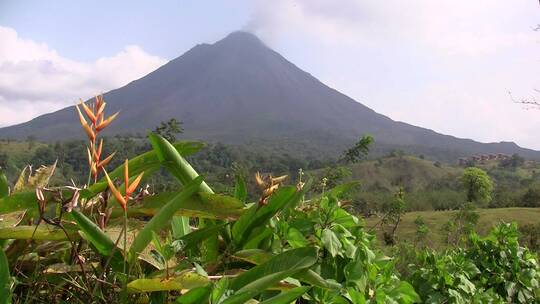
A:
[494,269]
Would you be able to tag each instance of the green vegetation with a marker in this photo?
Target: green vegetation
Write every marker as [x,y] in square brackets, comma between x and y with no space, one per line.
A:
[436,220]
[154,230]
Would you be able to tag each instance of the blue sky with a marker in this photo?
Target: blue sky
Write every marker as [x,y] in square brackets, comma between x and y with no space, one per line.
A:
[444,65]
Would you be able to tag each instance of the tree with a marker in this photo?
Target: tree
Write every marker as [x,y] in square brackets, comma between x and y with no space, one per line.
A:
[169,129]
[359,151]
[477,184]
[393,211]
[531,198]
[513,162]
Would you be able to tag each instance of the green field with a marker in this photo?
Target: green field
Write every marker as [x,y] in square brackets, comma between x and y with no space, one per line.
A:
[435,220]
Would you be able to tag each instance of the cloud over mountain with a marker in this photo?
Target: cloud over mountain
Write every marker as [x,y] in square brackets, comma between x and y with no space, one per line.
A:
[35,79]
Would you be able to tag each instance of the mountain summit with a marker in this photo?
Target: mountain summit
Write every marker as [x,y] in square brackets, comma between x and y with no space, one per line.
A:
[239,91]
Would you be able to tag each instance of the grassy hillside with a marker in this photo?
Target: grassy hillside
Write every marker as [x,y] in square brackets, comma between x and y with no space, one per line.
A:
[409,172]
[435,221]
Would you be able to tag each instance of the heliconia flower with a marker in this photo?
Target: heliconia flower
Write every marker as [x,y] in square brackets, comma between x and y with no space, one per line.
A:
[133,186]
[89,113]
[259,181]
[268,185]
[278,179]
[90,159]
[107,160]
[104,123]
[126,174]
[99,111]
[96,115]
[89,132]
[121,200]
[97,153]
[129,187]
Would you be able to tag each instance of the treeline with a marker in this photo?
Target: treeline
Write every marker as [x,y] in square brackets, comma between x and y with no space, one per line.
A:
[220,163]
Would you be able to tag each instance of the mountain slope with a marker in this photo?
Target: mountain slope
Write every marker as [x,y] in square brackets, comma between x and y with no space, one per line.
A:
[239,91]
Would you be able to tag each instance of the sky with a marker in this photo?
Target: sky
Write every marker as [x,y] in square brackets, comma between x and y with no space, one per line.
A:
[452,66]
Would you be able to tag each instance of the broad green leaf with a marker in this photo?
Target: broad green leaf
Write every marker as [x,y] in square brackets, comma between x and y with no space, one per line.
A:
[196,296]
[5,279]
[342,189]
[184,172]
[253,256]
[145,162]
[93,234]
[331,242]
[186,280]
[174,162]
[20,201]
[180,226]
[203,205]
[286,297]
[4,185]
[240,189]
[241,297]
[259,234]
[258,256]
[295,238]
[257,217]
[405,292]
[275,269]
[196,237]
[162,218]
[42,233]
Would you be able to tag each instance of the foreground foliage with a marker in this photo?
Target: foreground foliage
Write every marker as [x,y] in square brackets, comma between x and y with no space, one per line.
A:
[110,242]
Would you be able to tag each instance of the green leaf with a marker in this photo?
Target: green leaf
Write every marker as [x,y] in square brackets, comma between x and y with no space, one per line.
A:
[196,296]
[5,279]
[203,205]
[286,297]
[405,292]
[42,233]
[240,189]
[4,185]
[25,200]
[257,217]
[101,241]
[180,226]
[295,238]
[240,297]
[162,218]
[342,189]
[258,256]
[174,162]
[145,162]
[197,236]
[186,280]
[331,242]
[277,268]
[184,172]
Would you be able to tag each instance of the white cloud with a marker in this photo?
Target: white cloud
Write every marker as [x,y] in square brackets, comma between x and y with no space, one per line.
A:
[35,79]
[445,65]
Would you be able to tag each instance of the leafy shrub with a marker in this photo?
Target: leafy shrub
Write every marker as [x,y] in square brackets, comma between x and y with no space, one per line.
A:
[494,269]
